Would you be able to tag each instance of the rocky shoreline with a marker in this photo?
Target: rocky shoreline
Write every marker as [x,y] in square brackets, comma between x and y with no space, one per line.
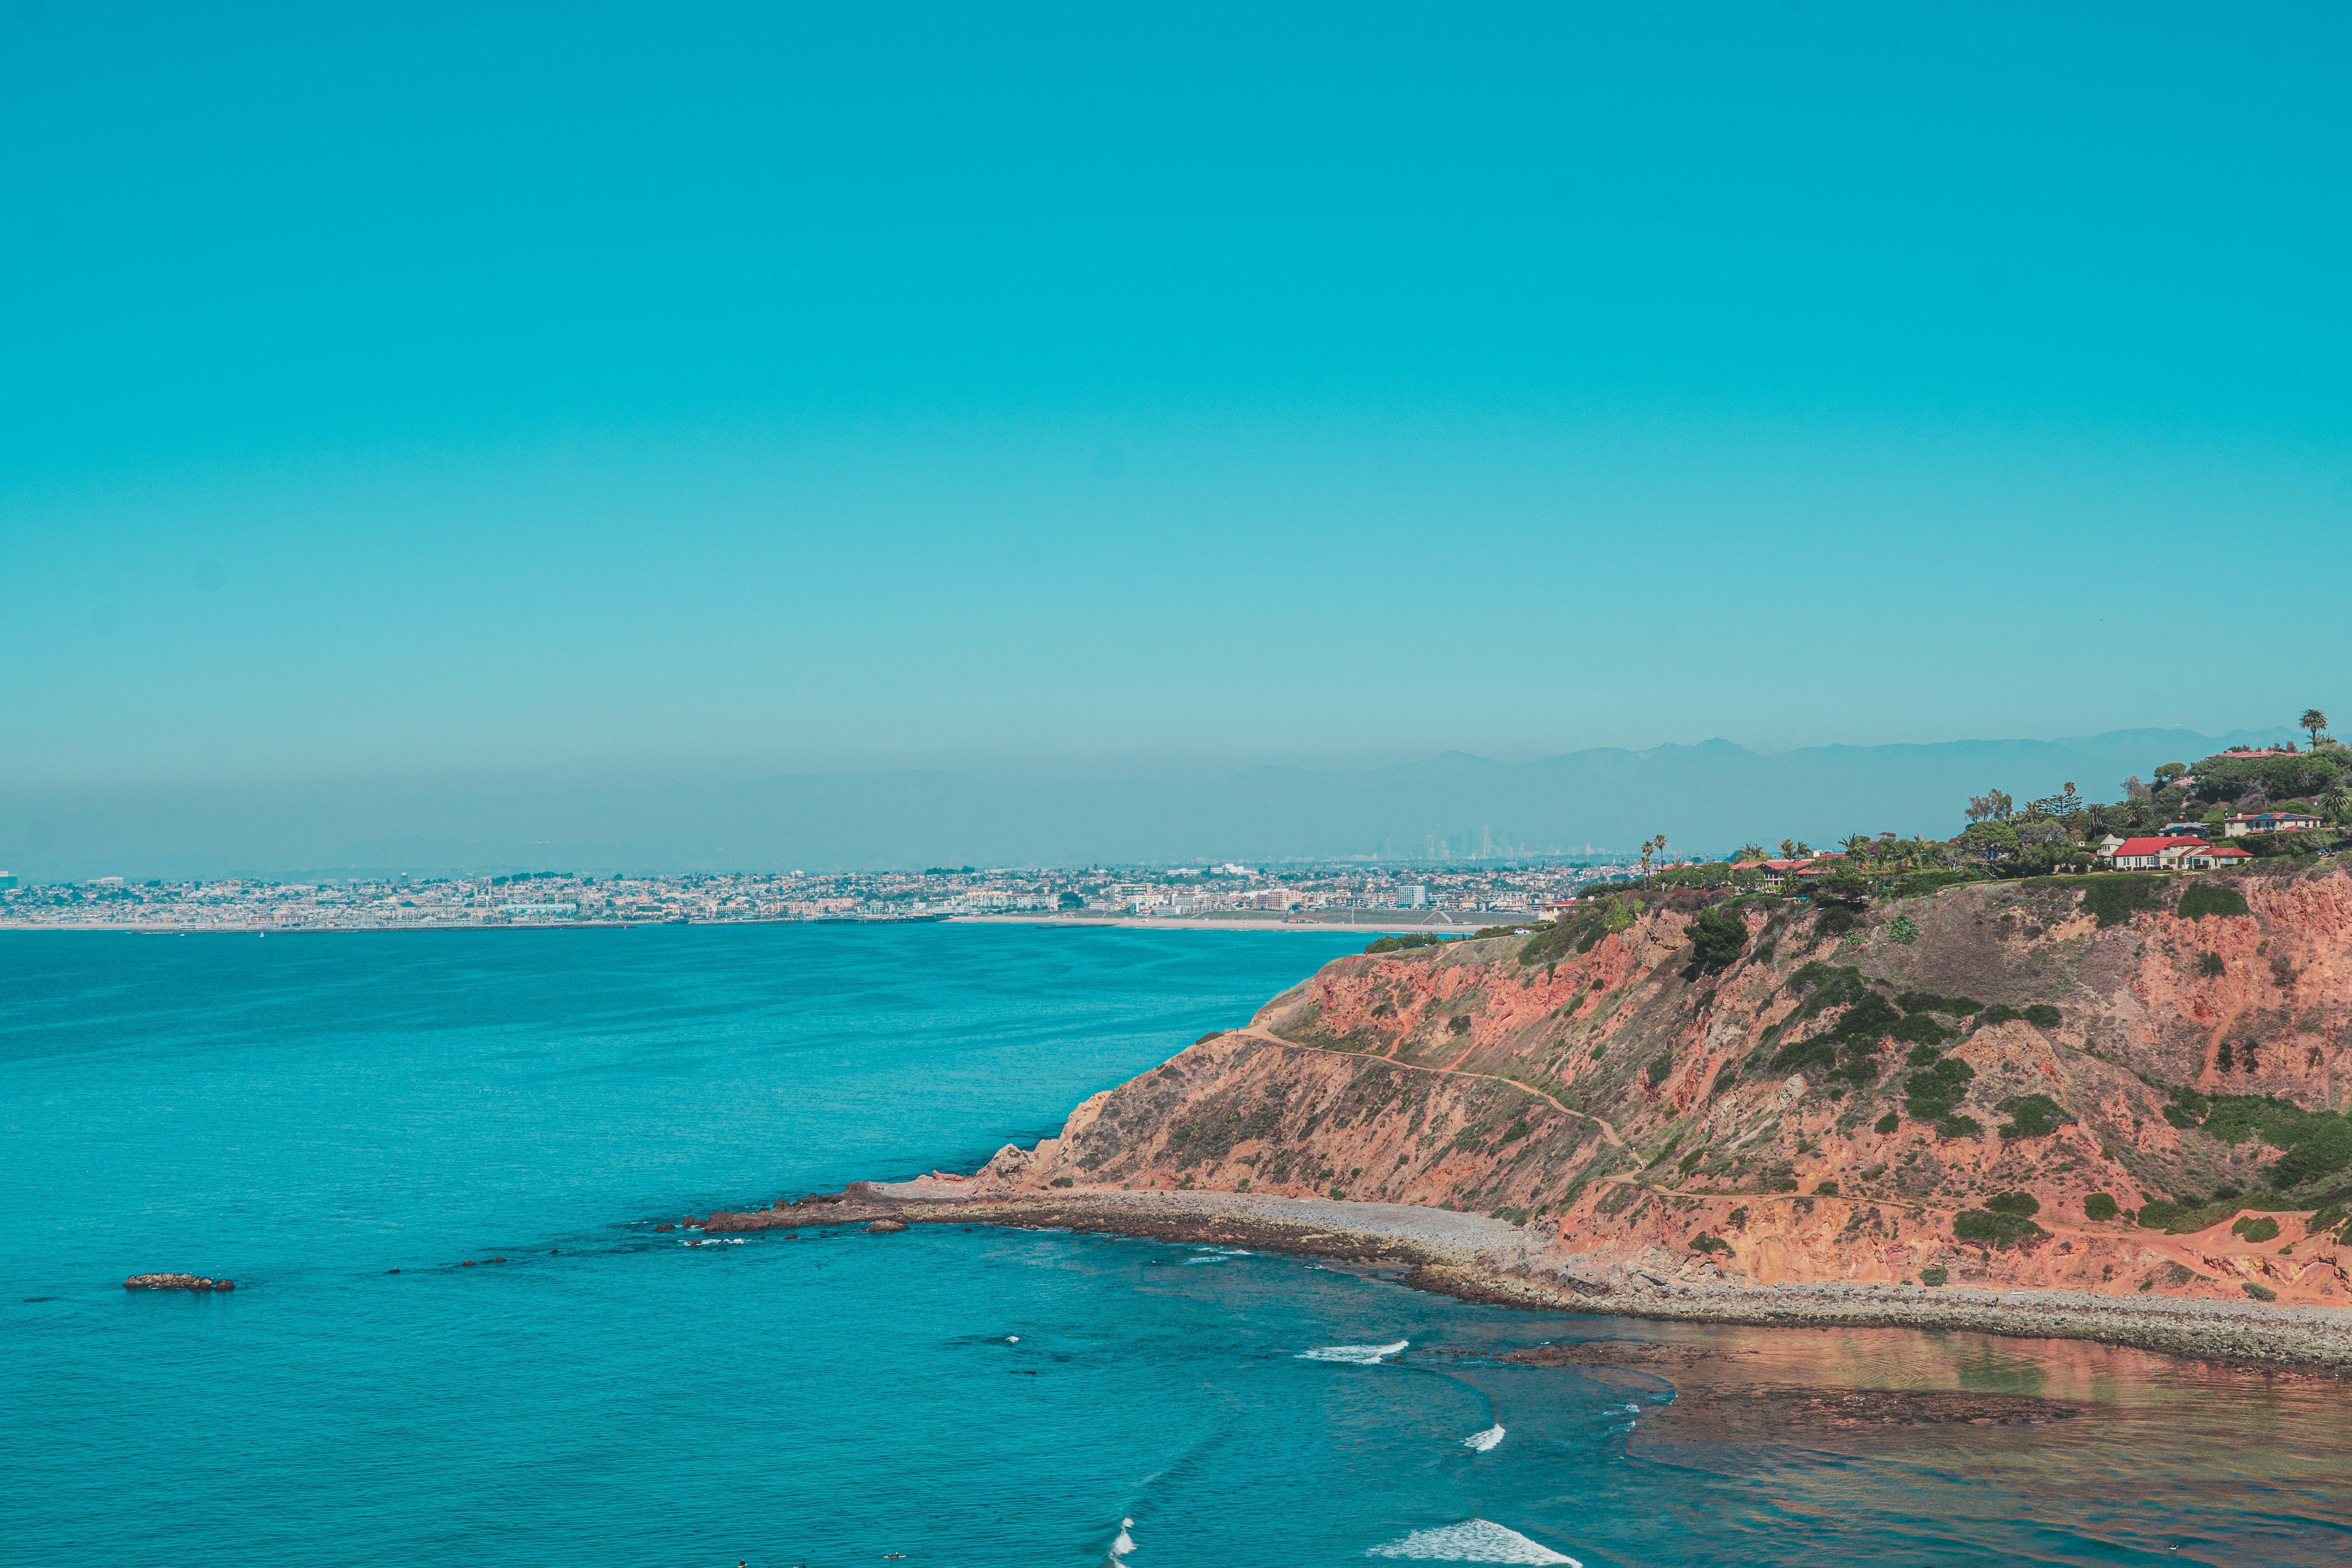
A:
[1477,1258]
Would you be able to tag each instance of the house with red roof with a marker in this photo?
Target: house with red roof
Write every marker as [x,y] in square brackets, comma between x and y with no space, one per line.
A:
[1779,871]
[2148,854]
[2212,857]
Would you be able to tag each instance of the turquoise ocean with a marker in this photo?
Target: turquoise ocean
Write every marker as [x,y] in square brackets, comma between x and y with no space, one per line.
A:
[306,1112]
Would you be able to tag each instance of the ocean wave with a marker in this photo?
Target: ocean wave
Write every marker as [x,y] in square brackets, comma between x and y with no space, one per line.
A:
[1482,1441]
[1355,1355]
[1472,1540]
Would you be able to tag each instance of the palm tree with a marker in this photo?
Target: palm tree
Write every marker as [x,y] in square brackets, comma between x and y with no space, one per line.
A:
[1749,852]
[1788,849]
[1651,847]
[1858,847]
[2314,720]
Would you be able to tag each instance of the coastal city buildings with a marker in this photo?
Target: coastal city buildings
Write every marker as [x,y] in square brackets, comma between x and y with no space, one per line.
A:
[1341,892]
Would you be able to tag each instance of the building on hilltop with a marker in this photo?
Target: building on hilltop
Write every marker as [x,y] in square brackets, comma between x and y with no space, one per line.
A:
[2269,822]
[2156,854]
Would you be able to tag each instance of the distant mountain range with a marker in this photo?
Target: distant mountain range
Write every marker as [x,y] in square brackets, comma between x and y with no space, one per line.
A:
[1707,798]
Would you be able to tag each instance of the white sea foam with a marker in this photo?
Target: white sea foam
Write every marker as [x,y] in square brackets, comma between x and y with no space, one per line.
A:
[1357,1355]
[1472,1540]
[1482,1441]
[1123,1546]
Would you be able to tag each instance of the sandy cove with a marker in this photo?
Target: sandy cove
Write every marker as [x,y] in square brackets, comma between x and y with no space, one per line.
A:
[1477,1258]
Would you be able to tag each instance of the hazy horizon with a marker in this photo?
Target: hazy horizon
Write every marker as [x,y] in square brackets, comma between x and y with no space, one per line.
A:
[1706,797]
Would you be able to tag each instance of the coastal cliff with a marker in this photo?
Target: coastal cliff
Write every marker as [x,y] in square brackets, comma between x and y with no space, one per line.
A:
[2123,1087]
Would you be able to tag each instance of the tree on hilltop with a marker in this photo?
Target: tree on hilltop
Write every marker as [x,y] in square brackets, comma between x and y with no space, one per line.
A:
[2314,720]
[1993,805]
[1989,841]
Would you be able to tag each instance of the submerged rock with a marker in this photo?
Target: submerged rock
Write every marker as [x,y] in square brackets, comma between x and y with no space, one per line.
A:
[176,1282]
[886,1227]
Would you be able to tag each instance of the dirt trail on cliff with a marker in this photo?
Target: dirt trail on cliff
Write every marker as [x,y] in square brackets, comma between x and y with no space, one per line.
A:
[1607,1131]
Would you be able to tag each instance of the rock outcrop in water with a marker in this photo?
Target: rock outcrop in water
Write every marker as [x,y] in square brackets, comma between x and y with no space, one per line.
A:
[2060,1083]
[176,1282]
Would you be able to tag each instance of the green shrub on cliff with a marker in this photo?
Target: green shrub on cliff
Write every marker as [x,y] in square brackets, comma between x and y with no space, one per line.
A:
[2042,1016]
[2217,899]
[2031,1116]
[1711,1244]
[2263,1230]
[1919,1030]
[1400,943]
[2024,1205]
[1929,1094]
[2100,1206]
[2318,1142]
[1578,931]
[1920,883]
[2184,1219]
[1934,1276]
[1717,936]
[2116,896]
[1991,1229]
[1888,1123]
[1868,1019]
[2260,1293]
[1958,1126]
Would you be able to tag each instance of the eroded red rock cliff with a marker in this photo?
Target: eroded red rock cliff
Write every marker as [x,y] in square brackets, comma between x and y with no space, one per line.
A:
[1784,1118]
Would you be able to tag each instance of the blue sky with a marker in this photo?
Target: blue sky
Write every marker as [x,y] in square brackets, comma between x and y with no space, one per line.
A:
[585,392]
